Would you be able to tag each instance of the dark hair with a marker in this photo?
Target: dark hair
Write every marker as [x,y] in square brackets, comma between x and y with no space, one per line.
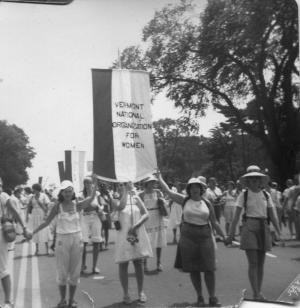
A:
[188,189]
[60,197]
[37,187]
[18,189]
[28,190]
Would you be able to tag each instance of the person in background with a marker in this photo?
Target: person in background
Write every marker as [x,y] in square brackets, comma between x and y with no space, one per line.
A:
[276,198]
[69,245]
[155,225]
[132,241]
[256,236]
[196,249]
[229,197]
[7,207]
[105,199]
[91,224]
[36,214]
[214,195]
[290,197]
[175,213]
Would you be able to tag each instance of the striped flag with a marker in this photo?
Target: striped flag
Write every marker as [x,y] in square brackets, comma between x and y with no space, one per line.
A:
[123,139]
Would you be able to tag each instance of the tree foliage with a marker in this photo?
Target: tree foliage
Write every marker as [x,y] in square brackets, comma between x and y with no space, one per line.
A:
[239,56]
[15,155]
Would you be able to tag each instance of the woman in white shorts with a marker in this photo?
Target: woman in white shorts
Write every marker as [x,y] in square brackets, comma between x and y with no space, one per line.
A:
[229,196]
[91,225]
[69,242]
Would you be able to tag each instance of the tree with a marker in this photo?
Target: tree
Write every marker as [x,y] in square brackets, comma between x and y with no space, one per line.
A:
[178,153]
[15,155]
[239,56]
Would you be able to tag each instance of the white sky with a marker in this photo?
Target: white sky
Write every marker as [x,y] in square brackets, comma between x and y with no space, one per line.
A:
[46,57]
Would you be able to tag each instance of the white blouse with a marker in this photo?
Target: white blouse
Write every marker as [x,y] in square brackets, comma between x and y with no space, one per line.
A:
[196,212]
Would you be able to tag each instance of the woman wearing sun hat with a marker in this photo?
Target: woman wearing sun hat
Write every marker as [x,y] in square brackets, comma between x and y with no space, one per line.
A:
[256,237]
[155,225]
[69,243]
[196,250]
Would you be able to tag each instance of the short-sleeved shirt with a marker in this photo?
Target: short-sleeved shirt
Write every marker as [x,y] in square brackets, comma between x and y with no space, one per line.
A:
[213,195]
[257,203]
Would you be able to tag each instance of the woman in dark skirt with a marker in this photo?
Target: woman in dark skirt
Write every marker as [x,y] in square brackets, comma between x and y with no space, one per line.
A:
[255,237]
[196,250]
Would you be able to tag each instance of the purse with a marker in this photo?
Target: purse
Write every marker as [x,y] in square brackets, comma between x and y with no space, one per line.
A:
[8,227]
[162,208]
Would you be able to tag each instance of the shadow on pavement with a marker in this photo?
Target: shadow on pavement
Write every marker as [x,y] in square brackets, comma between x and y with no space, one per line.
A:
[121,305]
[184,304]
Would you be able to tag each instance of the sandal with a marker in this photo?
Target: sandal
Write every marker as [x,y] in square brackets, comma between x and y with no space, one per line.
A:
[72,304]
[200,302]
[127,300]
[142,298]
[62,304]
[214,302]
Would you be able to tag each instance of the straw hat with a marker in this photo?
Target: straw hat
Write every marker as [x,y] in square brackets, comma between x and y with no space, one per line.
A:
[254,171]
[151,178]
[196,181]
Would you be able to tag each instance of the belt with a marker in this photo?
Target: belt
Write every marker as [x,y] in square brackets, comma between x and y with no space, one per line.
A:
[257,218]
[195,226]
[89,213]
[153,208]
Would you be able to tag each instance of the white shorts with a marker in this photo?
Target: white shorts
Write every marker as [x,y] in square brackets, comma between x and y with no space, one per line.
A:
[91,227]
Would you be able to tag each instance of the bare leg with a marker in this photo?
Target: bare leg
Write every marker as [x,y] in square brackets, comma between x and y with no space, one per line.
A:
[95,255]
[260,270]
[210,282]
[62,292]
[252,257]
[174,235]
[72,291]
[139,273]
[6,284]
[123,275]
[196,281]
[83,266]
[158,257]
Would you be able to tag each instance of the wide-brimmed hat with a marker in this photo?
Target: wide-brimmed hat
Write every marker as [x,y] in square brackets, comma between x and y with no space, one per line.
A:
[151,178]
[202,179]
[254,171]
[196,181]
[66,184]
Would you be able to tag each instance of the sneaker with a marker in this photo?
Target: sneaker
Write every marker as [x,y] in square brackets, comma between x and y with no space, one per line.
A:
[127,300]
[8,305]
[96,271]
[142,298]
[159,267]
[214,302]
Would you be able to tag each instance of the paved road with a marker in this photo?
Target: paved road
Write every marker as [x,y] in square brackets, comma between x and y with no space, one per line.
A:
[34,279]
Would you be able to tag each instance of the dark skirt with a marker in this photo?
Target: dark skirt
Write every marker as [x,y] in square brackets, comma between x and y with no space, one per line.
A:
[195,251]
[256,235]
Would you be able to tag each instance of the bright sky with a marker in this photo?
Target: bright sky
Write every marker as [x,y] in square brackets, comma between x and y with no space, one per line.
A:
[46,57]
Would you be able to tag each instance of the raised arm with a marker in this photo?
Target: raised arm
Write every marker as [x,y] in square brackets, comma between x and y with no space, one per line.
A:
[178,198]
